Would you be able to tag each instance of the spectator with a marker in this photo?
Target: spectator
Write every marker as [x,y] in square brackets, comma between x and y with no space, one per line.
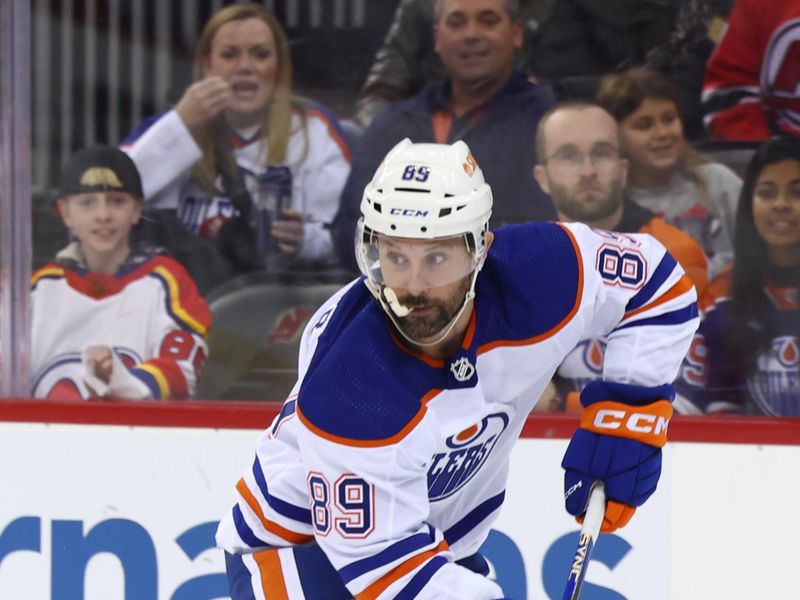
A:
[592,191]
[333,44]
[586,39]
[238,140]
[746,355]
[407,61]
[665,175]
[682,58]
[110,319]
[483,101]
[752,83]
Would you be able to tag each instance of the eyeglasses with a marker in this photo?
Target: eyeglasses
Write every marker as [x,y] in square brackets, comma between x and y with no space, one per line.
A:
[603,157]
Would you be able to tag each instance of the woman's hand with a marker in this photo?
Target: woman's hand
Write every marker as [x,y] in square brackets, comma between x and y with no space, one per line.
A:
[202,101]
[287,232]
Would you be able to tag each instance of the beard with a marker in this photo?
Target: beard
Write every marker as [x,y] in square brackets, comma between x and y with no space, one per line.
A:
[421,327]
[594,206]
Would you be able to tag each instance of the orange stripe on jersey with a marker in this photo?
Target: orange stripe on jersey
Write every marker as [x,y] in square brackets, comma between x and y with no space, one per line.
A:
[283,533]
[333,132]
[400,571]
[470,332]
[369,443]
[647,424]
[555,329]
[683,285]
[436,363]
[430,396]
[269,567]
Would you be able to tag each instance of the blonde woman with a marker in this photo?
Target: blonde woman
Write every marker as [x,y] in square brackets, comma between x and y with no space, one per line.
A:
[238,140]
[666,175]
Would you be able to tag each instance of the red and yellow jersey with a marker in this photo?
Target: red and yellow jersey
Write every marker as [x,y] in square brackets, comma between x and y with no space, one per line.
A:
[149,313]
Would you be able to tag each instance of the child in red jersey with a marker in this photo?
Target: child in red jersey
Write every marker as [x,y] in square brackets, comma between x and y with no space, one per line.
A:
[110,319]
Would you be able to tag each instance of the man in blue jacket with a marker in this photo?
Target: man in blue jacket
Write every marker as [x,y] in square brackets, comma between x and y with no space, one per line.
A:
[483,101]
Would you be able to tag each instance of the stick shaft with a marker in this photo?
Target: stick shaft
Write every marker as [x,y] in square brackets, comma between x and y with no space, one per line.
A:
[586,541]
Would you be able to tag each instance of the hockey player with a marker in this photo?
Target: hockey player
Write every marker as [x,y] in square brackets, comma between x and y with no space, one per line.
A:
[387,465]
[108,319]
[584,170]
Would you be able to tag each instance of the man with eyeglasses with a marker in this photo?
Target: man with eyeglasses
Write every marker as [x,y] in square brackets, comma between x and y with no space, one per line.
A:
[583,168]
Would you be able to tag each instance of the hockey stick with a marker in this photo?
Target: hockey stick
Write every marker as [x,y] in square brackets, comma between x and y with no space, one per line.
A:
[586,541]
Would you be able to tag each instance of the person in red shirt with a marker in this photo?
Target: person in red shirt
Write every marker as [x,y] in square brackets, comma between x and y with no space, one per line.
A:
[752,84]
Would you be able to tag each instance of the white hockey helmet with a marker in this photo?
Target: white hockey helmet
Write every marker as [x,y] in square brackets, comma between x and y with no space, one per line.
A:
[427,191]
[423,192]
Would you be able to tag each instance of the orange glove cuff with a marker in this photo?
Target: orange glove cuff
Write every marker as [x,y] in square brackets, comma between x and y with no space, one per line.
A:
[647,424]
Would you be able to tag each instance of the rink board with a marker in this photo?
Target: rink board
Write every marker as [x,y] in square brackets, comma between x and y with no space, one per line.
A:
[109,502]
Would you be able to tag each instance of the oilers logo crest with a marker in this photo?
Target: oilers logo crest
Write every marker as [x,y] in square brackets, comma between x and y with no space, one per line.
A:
[776,385]
[465,453]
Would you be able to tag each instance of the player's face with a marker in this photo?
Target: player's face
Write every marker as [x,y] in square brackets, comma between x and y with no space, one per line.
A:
[582,169]
[776,211]
[431,277]
[102,221]
[476,40]
[245,55]
[653,137]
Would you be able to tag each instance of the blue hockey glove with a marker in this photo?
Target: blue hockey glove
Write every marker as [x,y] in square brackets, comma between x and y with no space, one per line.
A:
[623,428]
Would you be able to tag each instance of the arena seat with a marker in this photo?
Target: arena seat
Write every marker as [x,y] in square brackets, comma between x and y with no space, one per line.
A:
[255,336]
[48,233]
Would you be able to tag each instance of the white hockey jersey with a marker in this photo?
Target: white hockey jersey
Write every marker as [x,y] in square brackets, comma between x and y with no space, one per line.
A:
[317,156]
[396,463]
[149,312]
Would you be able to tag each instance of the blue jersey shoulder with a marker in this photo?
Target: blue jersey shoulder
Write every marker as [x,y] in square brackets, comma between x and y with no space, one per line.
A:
[530,284]
[361,385]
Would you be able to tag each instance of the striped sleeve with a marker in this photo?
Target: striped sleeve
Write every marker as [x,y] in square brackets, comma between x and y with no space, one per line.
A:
[642,300]
[179,336]
[263,517]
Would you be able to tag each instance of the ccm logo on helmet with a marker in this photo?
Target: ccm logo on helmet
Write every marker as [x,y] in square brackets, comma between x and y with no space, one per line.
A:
[408,212]
[636,422]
